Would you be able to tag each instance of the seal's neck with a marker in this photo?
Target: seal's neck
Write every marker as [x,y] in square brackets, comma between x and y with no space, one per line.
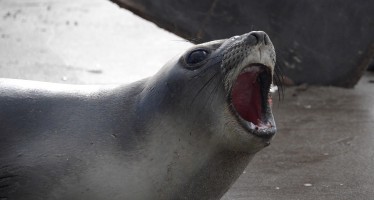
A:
[217,175]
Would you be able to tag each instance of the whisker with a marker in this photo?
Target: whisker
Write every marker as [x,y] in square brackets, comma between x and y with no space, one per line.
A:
[252,27]
[208,67]
[211,96]
[193,40]
[213,92]
[205,85]
[181,40]
[279,79]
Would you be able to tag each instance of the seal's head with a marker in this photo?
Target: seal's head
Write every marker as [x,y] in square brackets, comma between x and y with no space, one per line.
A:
[248,65]
[221,89]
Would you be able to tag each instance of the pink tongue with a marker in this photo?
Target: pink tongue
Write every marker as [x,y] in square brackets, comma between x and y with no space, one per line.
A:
[246,97]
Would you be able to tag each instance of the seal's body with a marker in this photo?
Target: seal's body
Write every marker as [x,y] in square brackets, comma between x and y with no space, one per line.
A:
[188,132]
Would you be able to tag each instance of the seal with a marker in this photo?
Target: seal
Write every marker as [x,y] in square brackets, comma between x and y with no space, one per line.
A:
[187,132]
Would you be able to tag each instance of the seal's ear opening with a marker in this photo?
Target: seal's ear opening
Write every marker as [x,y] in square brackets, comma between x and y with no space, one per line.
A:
[196,58]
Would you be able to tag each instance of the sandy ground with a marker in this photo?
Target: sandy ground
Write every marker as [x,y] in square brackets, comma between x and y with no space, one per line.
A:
[80,41]
[324,148]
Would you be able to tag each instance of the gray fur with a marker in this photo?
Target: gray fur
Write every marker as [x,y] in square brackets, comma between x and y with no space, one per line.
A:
[170,136]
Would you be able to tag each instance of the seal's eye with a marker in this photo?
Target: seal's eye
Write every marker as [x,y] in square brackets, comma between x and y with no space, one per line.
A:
[197,56]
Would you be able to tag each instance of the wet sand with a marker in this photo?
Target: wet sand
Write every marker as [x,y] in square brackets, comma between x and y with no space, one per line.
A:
[324,148]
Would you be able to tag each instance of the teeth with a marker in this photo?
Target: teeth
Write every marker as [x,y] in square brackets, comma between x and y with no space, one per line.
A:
[273,88]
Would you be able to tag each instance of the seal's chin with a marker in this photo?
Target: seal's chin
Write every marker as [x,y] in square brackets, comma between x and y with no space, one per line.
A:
[251,100]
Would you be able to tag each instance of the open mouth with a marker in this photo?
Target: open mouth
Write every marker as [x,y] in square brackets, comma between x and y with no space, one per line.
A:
[251,100]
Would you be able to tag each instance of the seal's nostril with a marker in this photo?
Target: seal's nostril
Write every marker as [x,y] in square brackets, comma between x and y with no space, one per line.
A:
[256,37]
[260,36]
[266,39]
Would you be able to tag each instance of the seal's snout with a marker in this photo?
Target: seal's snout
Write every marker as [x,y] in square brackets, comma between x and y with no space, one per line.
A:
[248,64]
[258,37]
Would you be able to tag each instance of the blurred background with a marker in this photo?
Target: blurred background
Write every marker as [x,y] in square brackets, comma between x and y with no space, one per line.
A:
[81,42]
[317,42]
[324,148]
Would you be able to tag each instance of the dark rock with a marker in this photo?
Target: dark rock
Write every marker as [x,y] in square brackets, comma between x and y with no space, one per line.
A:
[317,42]
[371,66]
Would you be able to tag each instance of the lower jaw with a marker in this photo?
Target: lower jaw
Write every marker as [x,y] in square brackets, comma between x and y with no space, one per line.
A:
[265,129]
